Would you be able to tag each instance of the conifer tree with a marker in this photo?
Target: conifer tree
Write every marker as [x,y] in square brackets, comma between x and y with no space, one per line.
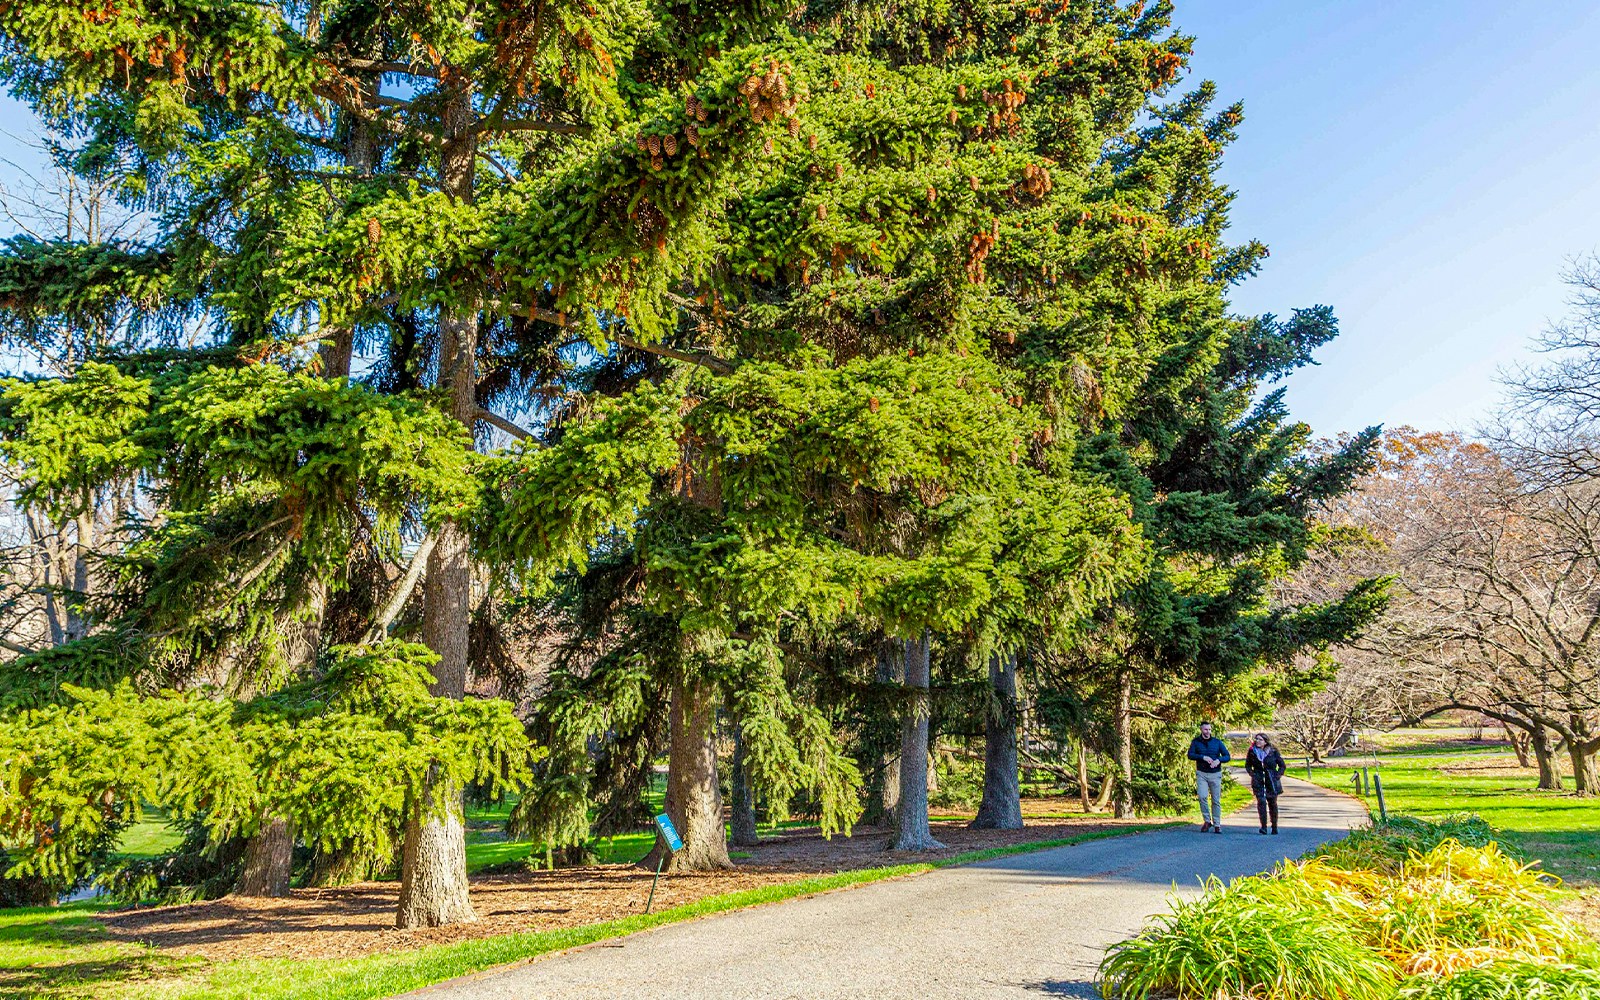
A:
[916,304]
[320,167]
[1228,490]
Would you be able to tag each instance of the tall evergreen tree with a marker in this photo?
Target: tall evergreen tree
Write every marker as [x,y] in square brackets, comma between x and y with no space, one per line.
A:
[1228,491]
[319,168]
[916,305]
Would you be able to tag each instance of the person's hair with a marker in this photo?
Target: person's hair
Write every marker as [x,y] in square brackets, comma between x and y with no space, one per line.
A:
[1208,723]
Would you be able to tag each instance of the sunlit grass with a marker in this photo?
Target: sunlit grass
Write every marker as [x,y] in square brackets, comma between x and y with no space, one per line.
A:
[1559,829]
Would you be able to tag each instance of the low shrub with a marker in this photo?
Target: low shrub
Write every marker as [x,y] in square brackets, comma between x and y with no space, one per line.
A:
[1509,981]
[1408,906]
[1253,939]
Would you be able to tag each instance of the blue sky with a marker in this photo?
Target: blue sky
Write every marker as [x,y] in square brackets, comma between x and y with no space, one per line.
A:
[1425,168]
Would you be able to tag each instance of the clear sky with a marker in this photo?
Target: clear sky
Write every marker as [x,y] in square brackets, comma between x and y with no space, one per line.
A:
[1426,168]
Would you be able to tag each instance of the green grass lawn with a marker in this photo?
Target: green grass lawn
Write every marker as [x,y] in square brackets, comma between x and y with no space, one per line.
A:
[1558,828]
[150,836]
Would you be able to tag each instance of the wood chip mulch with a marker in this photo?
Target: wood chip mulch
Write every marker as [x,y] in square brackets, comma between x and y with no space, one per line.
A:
[359,919]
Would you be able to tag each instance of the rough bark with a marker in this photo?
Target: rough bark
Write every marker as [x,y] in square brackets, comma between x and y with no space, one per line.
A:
[1545,758]
[1585,776]
[433,881]
[1001,807]
[1083,775]
[268,860]
[743,806]
[1124,724]
[891,670]
[694,801]
[1520,746]
[433,863]
[911,815]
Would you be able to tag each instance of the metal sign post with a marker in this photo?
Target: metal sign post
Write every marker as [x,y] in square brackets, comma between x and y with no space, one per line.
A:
[669,833]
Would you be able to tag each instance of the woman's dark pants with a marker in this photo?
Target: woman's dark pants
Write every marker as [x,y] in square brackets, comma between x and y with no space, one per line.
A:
[1266,804]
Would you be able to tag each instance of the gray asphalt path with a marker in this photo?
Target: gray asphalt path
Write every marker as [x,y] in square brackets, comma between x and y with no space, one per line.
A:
[1028,926]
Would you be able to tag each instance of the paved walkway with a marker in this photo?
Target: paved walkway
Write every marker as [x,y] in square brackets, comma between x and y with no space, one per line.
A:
[1028,926]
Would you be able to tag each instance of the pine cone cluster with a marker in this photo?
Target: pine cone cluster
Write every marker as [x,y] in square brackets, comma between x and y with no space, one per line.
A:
[978,248]
[1036,180]
[767,95]
[1005,103]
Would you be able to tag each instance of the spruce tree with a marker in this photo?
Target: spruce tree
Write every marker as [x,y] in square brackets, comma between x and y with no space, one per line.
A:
[1228,491]
[414,181]
[916,305]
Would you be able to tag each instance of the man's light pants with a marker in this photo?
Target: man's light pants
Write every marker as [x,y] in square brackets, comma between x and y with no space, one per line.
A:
[1209,783]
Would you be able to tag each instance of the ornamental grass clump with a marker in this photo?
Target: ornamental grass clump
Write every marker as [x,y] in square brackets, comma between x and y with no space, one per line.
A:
[1458,907]
[1404,907]
[1509,981]
[1385,847]
[1255,939]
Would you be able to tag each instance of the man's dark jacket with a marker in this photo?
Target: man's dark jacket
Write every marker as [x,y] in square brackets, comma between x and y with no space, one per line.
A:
[1214,748]
[1264,773]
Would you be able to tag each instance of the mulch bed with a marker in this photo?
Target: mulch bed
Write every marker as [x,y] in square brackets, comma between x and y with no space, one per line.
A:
[359,919]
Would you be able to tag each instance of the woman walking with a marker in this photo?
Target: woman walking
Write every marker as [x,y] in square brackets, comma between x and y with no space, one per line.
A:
[1265,766]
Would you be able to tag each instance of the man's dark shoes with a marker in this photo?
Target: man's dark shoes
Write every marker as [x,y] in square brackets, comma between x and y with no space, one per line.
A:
[1217,828]
[1274,831]
[1263,831]
[1205,827]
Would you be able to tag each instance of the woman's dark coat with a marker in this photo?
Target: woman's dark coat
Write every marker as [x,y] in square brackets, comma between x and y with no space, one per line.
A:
[1264,774]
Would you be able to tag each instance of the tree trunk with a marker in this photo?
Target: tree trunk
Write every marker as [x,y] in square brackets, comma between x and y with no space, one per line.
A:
[1585,778]
[433,879]
[1083,775]
[694,801]
[1001,808]
[1124,724]
[1544,756]
[433,863]
[745,833]
[891,670]
[911,814]
[268,860]
[77,624]
[1520,746]
[1108,784]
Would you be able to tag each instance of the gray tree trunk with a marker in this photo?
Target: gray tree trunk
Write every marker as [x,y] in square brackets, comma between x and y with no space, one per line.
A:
[694,801]
[268,860]
[1001,808]
[912,832]
[1124,723]
[745,833]
[1585,777]
[1544,757]
[1083,775]
[1519,746]
[433,879]
[891,670]
[433,863]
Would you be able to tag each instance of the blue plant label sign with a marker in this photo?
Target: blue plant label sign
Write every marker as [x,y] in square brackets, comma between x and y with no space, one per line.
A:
[664,824]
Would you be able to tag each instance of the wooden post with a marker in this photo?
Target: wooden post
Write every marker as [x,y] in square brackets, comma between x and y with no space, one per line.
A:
[1383,812]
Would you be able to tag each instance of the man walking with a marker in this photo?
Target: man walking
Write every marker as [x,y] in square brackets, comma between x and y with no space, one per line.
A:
[1209,754]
